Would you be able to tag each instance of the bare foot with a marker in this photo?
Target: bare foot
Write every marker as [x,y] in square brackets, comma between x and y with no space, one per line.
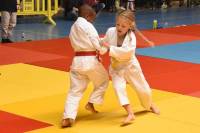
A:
[67,122]
[128,119]
[90,107]
[154,109]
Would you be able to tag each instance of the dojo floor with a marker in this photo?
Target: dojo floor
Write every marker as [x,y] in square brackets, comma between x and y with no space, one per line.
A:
[34,81]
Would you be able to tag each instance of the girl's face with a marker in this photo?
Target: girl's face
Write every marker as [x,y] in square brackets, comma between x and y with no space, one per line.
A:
[122,25]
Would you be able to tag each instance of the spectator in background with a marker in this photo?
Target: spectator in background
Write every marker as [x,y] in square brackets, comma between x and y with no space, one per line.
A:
[155,3]
[123,4]
[8,9]
[71,9]
[97,5]
[130,5]
[110,5]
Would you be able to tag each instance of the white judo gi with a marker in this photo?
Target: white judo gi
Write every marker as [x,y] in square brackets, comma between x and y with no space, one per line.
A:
[84,37]
[126,68]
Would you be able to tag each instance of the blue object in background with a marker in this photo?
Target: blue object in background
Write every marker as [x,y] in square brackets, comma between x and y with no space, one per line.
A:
[186,52]
[36,30]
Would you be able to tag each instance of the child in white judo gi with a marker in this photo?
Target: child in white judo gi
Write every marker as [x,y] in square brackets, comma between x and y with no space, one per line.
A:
[85,66]
[121,42]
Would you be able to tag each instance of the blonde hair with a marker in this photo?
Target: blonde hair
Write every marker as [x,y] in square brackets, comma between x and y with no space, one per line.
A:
[128,14]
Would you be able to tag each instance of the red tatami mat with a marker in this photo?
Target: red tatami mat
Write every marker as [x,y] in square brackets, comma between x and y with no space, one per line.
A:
[170,35]
[163,38]
[162,74]
[9,55]
[62,64]
[189,30]
[59,46]
[159,37]
[11,123]
[171,75]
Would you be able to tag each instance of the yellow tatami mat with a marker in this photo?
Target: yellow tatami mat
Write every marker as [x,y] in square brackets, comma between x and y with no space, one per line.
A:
[39,93]
[20,82]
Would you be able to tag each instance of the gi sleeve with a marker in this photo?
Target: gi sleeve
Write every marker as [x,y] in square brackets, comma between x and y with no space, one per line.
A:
[127,50]
[95,40]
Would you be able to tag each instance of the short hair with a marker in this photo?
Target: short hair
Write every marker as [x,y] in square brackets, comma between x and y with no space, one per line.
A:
[85,10]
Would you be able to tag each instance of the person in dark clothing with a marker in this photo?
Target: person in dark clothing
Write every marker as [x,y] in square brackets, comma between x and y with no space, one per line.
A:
[8,9]
[71,9]
[97,5]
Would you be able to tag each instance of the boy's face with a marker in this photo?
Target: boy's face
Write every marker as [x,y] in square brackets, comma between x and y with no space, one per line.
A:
[91,17]
[123,25]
